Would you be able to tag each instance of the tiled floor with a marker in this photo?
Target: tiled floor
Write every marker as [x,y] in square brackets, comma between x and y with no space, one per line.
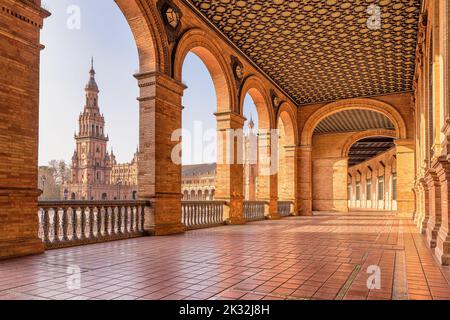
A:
[321,257]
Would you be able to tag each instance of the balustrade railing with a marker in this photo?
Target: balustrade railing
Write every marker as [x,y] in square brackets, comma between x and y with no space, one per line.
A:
[254,210]
[284,208]
[202,214]
[70,223]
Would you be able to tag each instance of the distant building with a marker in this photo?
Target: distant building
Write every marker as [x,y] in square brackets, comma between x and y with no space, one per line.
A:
[95,173]
[199,181]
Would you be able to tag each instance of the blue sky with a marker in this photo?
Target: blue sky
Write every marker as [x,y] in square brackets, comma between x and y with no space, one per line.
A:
[104,34]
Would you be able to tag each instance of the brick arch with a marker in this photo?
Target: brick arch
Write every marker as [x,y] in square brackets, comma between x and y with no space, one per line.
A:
[351,104]
[257,91]
[363,135]
[149,35]
[201,44]
[287,114]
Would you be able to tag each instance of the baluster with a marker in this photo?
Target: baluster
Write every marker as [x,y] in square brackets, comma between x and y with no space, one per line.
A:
[188,218]
[65,224]
[40,226]
[100,214]
[196,215]
[119,221]
[142,218]
[107,221]
[139,211]
[126,210]
[183,214]
[83,223]
[57,222]
[46,221]
[133,210]
[113,220]
[91,223]
[75,224]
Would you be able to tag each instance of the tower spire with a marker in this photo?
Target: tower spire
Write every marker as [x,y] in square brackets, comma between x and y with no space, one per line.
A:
[92,85]
[251,124]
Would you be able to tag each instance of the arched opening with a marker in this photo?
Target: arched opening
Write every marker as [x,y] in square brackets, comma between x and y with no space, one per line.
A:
[347,146]
[286,157]
[260,156]
[198,64]
[104,196]
[193,196]
[372,174]
[124,34]
[250,152]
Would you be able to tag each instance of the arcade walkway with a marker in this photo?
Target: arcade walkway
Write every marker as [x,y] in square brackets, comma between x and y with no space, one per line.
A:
[325,257]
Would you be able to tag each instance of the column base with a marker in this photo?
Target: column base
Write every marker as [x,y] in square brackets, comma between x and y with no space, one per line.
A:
[167,229]
[431,233]
[236,221]
[442,250]
[273,216]
[20,247]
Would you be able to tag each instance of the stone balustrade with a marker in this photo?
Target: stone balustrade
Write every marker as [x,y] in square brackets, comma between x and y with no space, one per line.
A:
[202,214]
[71,223]
[254,210]
[284,208]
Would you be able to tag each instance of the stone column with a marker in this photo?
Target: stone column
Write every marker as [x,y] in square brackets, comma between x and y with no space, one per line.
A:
[267,189]
[422,210]
[290,174]
[442,250]
[304,179]
[405,177]
[159,165]
[434,219]
[20,48]
[230,168]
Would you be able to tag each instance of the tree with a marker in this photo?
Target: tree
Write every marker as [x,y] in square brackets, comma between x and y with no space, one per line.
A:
[52,178]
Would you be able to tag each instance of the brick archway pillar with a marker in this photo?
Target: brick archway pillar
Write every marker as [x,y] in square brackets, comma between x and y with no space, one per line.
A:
[159,176]
[434,219]
[289,189]
[442,250]
[19,119]
[230,167]
[405,177]
[267,173]
[304,158]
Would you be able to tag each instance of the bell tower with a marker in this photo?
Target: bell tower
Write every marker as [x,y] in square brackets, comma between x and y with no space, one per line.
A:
[91,162]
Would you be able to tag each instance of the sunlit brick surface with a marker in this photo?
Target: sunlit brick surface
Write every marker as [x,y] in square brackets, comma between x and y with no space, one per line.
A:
[321,257]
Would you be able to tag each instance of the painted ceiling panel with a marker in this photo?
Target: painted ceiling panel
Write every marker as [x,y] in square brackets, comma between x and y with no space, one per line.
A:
[323,50]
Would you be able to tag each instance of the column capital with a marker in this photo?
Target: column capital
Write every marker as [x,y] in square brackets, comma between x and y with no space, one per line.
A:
[405,143]
[229,120]
[159,79]
[307,148]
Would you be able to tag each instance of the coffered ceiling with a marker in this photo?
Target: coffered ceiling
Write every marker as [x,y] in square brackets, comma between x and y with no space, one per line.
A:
[323,50]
